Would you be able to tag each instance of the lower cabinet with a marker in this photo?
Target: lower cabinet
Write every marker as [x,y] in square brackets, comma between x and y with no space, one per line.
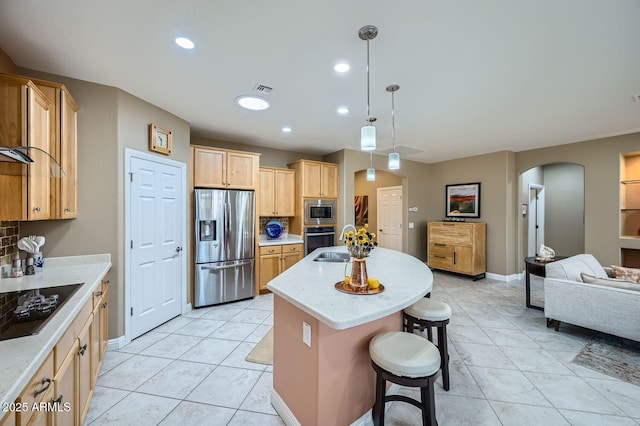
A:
[276,259]
[60,391]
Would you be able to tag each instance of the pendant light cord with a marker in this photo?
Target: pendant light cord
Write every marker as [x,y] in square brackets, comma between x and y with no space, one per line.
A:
[393,121]
[368,85]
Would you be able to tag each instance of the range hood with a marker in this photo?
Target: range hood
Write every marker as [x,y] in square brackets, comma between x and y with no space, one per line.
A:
[19,155]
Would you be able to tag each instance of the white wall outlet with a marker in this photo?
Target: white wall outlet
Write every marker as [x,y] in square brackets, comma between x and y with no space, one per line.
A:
[413,209]
[306,334]
[411,225]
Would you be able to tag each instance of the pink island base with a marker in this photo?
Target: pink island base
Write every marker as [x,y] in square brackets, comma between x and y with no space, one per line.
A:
[331,382]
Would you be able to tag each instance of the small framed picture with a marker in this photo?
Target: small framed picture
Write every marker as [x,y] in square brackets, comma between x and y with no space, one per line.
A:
[463,200]
[159,139]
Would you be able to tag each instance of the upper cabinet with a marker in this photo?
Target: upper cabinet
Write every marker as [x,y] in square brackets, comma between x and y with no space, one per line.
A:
[222,168]
[276,194]
[64,143]
[24,121]
[316,179]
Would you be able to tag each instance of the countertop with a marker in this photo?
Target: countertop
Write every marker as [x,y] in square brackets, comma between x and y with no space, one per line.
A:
[309,285]
[20,358]
[289,239]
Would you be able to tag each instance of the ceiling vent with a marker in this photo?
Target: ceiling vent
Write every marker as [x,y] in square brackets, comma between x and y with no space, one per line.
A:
[262,89]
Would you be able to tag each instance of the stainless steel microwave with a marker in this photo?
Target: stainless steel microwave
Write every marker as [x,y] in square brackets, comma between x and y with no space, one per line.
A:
[319,212]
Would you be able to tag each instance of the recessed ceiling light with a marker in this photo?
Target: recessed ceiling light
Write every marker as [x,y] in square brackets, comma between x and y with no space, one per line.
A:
[286,129]
[341,67]
[184,42]
[252,102]
[343,110]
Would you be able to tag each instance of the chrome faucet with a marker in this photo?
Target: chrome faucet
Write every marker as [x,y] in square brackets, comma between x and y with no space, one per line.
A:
[343,229]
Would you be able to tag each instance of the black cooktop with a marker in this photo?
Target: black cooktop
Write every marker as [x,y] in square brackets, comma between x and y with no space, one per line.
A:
[24,313]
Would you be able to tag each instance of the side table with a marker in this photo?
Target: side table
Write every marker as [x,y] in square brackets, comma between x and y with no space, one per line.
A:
[536,268]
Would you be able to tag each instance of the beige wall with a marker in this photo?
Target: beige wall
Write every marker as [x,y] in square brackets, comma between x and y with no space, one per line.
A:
[601,161]
[6,64]
[497,192]
[414,176]
[109,121]
[363,187]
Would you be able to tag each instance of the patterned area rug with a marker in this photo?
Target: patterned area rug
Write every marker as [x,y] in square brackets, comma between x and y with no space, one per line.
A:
[613,356]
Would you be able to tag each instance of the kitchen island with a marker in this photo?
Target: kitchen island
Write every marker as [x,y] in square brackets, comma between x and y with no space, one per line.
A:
[330,380]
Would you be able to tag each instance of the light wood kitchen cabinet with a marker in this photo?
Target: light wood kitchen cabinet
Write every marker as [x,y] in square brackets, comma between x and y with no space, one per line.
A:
[39,387]
[66,390]
[277,192]
[63,144]
[9,418]
[458,247]
[24,121]
[316,179]
[276,259]
[220,168]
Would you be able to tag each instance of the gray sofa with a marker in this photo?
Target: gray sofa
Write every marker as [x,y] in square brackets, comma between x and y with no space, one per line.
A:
[608,305]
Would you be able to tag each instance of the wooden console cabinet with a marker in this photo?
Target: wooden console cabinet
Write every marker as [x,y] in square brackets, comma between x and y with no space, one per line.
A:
[458,247]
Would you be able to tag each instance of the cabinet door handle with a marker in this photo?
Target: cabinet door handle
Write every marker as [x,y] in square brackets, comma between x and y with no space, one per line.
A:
[45,381]
[439,257]
[82,350]
[104,305]
[454,257]
[439,244]
[67,209]
[36,209]
[58,400]
[98,294]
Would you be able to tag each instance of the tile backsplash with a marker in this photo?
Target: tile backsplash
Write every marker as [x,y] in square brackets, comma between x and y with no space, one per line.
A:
[283,220]
[9,232]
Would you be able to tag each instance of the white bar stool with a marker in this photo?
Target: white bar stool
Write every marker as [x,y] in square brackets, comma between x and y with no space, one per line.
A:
[408,360]
[428,313]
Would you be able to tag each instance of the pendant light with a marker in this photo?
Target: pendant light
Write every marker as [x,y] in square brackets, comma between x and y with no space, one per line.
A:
[371,172]
[394,157]
[368,132]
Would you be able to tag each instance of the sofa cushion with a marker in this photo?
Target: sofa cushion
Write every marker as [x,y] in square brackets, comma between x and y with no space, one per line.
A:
[610,282]
[571,268]
[627,274]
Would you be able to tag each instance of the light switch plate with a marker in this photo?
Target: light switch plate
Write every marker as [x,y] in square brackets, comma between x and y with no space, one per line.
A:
[411,225]
[306,334]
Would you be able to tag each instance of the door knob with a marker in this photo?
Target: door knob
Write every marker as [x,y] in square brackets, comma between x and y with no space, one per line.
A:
[178,249]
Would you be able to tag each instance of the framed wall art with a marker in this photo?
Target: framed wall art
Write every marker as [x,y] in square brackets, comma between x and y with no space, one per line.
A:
[463,200]
[159,139]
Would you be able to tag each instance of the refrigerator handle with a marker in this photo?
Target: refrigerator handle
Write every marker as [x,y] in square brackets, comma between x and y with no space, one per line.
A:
[227,227]
[228,266]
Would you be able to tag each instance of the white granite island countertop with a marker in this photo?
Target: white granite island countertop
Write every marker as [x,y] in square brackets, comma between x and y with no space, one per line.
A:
[309,285]
[21,357]
[289,239]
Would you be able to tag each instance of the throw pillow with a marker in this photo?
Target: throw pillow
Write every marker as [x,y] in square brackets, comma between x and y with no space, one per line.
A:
[610,282]
[627,274]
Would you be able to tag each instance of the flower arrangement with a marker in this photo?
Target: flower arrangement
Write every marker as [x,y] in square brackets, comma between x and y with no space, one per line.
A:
[361,242]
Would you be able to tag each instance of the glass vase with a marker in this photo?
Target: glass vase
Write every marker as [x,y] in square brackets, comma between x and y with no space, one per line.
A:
[359,277]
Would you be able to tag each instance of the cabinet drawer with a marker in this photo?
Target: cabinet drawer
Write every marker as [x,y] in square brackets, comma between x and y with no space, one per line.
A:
[452,233]
[69,337]
[270,250]
[35,390]
[440,250]
[441,262]
[292,248]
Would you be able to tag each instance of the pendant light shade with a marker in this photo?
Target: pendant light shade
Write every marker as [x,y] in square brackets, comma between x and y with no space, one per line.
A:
[371,172]
[368,132]
[394,157]
[368,138]
[394,161]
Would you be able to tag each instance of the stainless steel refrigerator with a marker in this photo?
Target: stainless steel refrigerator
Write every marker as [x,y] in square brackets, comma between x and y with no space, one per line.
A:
[224,252]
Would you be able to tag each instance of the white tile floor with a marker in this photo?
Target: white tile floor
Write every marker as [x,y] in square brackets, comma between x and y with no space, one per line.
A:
[506,368]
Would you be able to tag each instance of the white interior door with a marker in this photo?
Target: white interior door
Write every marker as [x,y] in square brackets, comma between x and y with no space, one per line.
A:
[536,219]
[157,223]
[389,218]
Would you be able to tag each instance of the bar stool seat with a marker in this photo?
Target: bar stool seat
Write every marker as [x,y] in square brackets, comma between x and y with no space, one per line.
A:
[408,360]
[428,313]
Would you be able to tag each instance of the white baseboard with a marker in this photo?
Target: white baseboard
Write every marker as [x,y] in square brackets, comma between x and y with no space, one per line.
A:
[505,278]
[290,420]
[283,410]
[115,344]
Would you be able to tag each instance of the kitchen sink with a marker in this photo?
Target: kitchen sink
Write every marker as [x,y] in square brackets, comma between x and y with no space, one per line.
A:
[332,256]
